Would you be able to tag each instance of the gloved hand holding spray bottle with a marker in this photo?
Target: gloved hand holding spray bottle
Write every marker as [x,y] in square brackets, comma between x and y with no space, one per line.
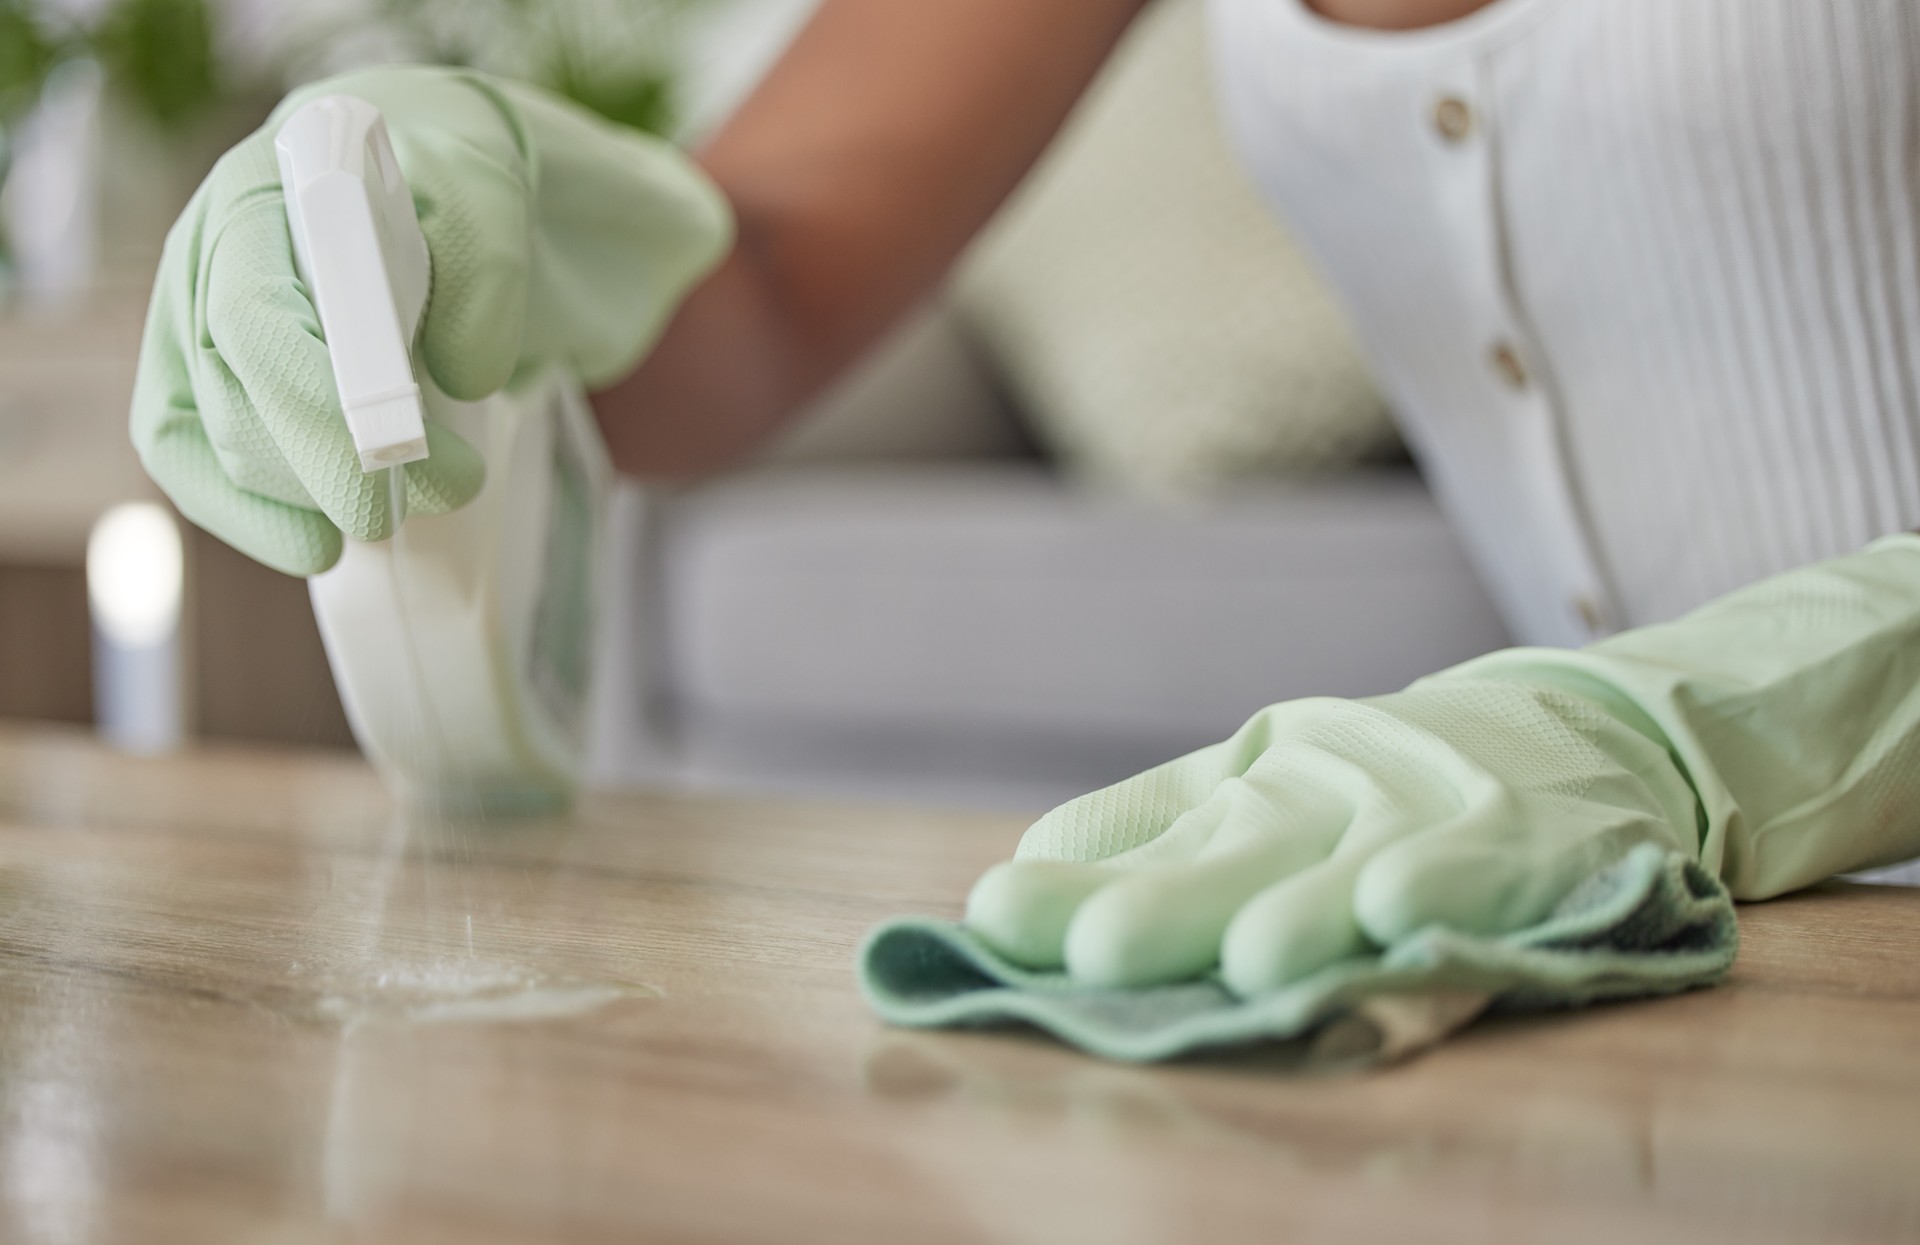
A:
[450,514]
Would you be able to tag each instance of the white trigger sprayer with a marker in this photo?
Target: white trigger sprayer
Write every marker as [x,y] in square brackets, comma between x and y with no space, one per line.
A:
[462,646]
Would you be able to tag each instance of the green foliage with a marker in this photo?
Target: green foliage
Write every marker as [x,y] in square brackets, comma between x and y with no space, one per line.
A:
[27,52]
[159,54]
[616,57]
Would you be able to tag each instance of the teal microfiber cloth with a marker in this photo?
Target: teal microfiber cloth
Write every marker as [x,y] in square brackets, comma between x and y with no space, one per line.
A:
[1655,922]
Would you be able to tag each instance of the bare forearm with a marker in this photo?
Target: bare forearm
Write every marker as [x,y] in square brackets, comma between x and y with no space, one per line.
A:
[714,386]
[861,167]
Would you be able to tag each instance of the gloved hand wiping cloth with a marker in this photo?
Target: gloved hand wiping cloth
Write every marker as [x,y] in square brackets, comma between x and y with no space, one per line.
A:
[1535,827]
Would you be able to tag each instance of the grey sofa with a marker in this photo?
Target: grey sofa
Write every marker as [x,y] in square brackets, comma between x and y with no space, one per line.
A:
[905,601]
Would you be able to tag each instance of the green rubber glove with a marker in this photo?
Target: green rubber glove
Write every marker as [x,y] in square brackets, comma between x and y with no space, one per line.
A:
[1772,738]
[553,235]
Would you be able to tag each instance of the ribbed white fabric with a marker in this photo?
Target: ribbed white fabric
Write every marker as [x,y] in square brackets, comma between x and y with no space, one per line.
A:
[1695,224]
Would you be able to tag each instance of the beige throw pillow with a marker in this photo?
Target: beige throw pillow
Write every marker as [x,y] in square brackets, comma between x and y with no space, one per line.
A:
[1153,318]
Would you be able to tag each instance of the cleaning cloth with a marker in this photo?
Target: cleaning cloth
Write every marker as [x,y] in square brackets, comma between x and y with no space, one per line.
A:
[1653,923]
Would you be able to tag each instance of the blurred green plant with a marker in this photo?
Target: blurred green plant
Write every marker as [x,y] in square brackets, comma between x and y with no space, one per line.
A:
[619,58]
[162,60]
[27,53]
[157,55]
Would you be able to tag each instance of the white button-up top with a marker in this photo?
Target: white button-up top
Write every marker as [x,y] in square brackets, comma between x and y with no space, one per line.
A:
[1641,277]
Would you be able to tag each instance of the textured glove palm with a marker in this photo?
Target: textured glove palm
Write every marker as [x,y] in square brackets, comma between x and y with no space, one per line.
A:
[553,237]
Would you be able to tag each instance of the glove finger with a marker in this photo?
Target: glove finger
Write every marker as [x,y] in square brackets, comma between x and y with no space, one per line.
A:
[179,352]
[1307,921]
[1283,813]
[1483,875]
[244,447]
[473,201]
[449,476]
[166,427]
[1166,924]
[1293,928]
[1021,908]
[263,328]
[287,538]
[1130,814]
[1281,819]
[1024,907]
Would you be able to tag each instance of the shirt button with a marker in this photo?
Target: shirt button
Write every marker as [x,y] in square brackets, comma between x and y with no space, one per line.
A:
[1588,611]
[1452,118]
[1506,364]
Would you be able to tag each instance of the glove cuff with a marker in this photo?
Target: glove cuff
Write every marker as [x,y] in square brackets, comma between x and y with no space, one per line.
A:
[1792,707]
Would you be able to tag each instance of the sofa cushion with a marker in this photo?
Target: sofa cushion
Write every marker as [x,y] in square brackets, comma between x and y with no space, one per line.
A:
[1159,326]
[813,609]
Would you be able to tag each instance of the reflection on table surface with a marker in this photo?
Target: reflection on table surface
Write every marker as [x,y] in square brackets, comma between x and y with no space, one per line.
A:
[241,1000]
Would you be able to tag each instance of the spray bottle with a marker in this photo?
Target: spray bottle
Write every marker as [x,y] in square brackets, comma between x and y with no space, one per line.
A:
[462,645]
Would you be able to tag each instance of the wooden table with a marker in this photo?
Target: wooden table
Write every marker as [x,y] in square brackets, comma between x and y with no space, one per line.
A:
[241,1001]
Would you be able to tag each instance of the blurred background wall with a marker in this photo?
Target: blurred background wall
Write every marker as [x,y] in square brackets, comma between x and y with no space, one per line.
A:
[1122,483]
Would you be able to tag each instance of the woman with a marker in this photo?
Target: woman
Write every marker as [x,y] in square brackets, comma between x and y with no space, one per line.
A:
[1642,279]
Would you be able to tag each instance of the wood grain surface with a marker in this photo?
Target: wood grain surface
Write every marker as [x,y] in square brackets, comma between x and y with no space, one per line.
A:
[241,1001]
